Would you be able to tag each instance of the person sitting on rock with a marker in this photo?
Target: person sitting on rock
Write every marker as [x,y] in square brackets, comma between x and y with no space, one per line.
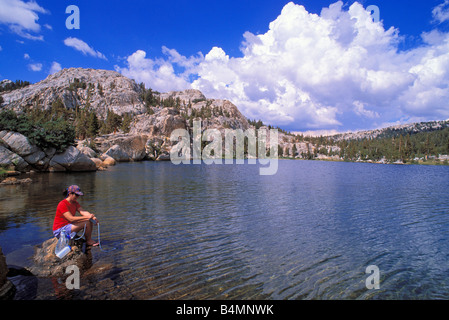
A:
[66,219]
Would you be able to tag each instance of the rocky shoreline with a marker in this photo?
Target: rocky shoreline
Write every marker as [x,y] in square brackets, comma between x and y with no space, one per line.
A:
[19,156]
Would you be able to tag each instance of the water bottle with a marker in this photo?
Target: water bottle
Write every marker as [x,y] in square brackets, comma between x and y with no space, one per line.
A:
[62,247]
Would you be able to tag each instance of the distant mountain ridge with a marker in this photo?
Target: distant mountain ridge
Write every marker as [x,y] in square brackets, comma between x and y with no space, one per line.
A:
[393,131]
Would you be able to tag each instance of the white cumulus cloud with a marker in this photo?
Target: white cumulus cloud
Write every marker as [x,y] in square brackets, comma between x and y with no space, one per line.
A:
[55,67]
[83,47]
[331,71]
[21,17]
[35,66]
[308,68]
[441,12]
[159,74]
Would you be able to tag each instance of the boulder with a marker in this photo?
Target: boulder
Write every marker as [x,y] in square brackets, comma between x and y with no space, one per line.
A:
[50,152]
[108,161]
[72,160]
[3,268]
[7,289]
[11,159]
[98,162]
[163,157]
[47,264]
[117,153]
[88,152]
[136,147]
[169,123]
[35,157]
[153,147]
[18,143]
[128,148]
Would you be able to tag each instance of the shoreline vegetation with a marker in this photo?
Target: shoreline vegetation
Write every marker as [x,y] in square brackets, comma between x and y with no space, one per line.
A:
[431,162]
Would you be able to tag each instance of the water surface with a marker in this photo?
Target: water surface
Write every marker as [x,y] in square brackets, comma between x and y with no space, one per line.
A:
[225,232]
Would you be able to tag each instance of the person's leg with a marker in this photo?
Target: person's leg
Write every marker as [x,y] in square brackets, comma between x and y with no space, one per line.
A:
[88,233]
[66,229]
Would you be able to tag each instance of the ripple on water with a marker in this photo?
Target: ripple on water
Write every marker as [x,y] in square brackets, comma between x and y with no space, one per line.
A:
[224,232]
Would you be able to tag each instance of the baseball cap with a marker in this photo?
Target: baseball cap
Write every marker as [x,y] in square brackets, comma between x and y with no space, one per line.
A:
[75,189]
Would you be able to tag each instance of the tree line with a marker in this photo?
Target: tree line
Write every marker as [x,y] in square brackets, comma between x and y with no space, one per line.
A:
[58,127]
[14,85]
[404,147]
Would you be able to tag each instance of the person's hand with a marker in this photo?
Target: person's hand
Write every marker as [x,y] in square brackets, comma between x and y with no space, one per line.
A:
[94,218]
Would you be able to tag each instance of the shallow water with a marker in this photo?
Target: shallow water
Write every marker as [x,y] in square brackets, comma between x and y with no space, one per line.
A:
[225,232]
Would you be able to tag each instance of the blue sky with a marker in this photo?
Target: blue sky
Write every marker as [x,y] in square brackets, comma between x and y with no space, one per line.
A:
[302,65]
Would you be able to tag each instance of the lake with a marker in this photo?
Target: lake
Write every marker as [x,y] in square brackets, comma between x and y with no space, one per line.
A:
[225,232]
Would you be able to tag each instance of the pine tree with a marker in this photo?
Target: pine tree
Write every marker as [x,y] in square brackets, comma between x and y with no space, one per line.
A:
[81,124]
[100,89]
[112,124]
[294,150]
[93,125]
[126,123]
[280,151]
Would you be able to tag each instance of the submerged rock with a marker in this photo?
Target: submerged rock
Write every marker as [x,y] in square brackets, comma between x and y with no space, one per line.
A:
[14,181]
[7,291]
[7,288]
[24,281]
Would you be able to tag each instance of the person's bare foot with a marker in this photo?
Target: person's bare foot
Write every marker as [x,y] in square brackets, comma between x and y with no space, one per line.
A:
[92,243]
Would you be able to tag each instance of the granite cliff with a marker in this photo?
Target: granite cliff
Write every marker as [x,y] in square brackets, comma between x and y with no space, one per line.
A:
[101,89]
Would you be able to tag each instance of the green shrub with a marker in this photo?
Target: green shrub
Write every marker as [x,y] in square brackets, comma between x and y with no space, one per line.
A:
[44,133]
[3,171]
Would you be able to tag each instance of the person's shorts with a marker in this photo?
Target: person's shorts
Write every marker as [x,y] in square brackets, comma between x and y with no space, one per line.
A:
[67,228]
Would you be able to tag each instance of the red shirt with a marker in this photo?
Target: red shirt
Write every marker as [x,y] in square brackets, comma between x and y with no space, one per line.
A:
[63,207]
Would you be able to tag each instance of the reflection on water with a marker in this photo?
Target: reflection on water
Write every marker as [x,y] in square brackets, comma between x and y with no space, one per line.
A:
[225,232]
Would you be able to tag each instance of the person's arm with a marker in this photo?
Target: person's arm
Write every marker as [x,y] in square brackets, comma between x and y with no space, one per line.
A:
[73,219]
[87,214]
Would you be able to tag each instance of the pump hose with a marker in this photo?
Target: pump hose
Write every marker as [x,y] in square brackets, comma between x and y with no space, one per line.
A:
[99,242]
